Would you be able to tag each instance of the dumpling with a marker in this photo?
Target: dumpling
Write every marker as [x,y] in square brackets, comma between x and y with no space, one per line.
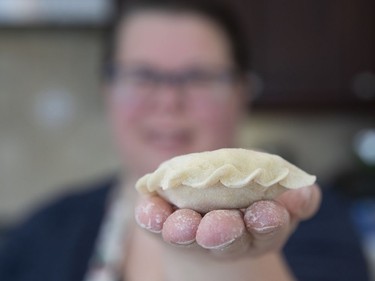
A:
[229,178]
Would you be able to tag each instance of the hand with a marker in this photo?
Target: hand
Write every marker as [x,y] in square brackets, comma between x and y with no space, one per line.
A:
[263,227]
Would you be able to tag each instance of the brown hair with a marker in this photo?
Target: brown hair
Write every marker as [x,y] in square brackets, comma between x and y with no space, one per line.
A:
[222,14]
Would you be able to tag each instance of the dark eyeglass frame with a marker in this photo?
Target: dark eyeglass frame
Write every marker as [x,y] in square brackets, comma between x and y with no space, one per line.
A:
[224,75]
[140,83]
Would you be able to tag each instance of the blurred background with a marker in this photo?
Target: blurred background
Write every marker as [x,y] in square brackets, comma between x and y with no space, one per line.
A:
[313,98]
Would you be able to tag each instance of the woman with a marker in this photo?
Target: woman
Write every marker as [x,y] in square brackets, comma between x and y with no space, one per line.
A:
[177,84]
[175,91]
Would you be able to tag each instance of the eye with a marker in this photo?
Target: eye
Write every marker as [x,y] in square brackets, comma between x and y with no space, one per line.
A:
[204,77]
[140,76]
[198,77]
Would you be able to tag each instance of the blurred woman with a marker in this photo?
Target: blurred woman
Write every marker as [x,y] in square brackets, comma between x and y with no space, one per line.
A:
[176,83]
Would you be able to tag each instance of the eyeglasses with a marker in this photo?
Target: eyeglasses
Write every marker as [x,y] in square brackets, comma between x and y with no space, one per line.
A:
[142,83]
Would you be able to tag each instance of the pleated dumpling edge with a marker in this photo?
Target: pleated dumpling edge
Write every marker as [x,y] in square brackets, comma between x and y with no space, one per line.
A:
[232,167]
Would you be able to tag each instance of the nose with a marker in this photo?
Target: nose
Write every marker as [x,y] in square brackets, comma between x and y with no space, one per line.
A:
[169,96]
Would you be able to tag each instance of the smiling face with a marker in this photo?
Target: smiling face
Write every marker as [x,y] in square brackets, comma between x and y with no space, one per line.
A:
[171,121]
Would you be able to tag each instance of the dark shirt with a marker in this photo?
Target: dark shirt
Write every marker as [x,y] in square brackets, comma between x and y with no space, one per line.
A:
[55,244]
[327,247]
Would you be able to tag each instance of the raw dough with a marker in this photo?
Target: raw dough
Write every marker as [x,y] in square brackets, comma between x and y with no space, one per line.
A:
[228,178]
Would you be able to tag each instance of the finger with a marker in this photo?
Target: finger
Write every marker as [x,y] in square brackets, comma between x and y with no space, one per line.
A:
[152,212]
[301,203]
[268,223]
[181,227]
[223,232]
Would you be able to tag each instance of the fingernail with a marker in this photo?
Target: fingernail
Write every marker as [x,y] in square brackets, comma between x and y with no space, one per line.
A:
[306,192]
[185,243]
[219,247]
[147,223]
[151,217]
[262,217]
[180,228]
[265,229]
[219,229]
[305,198]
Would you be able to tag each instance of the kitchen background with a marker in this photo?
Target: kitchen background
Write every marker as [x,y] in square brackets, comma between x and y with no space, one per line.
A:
[313,88]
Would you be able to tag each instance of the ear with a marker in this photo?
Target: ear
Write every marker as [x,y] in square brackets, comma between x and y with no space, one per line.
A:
[254,86]
[244,91]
